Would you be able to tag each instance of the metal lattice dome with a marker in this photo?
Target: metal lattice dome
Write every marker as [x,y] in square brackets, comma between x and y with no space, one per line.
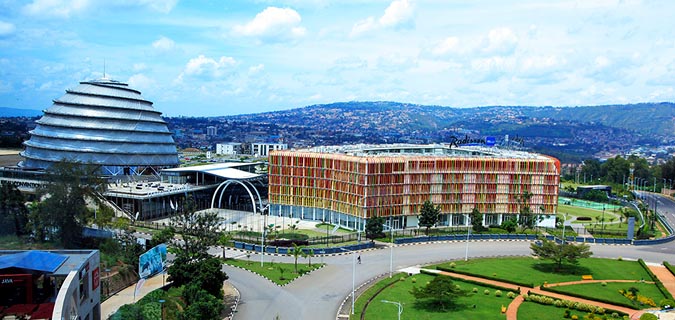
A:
[106,123]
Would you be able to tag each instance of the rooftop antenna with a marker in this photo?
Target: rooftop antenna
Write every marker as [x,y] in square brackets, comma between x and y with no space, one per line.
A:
[104,69]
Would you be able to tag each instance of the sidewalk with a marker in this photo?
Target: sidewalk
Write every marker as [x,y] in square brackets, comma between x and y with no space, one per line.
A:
[126,296]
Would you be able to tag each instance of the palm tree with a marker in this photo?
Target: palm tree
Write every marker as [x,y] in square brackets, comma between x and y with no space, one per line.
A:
[296,252]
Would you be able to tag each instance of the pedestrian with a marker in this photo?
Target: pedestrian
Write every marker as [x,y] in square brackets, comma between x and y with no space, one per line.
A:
[358,259]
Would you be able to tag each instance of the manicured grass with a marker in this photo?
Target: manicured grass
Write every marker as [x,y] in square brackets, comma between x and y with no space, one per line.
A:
[530,270]
[486,306]
[610,292]
[271,270]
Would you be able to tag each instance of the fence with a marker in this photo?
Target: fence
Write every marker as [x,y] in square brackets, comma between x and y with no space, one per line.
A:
[317,251]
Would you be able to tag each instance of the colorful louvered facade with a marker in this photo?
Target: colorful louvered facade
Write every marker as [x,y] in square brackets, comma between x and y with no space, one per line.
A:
[349,184]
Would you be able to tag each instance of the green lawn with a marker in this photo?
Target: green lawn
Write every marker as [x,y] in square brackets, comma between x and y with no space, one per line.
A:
[486,306]
[610,292]
[273,270]
[530,270]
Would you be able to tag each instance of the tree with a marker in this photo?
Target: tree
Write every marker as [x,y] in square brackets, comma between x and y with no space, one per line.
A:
[198,230]
[13,210]
[206,274]
[440,292]
[374,228]
[224,240]
[296,252]
[526,218]
[309,254]
[429,215]
[62,210]
[476,218]
[509,224]
[559,253]
[200,304]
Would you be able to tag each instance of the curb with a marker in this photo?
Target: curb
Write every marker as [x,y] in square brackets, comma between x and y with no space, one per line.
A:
[268,279]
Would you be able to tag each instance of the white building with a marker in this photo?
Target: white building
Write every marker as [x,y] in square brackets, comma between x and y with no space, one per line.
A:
[231,148]
[211,131]
[263,149]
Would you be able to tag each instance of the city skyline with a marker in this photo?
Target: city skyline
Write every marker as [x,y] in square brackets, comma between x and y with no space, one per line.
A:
[206,59]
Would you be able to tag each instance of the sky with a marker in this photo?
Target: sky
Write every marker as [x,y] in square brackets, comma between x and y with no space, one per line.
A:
[213,58]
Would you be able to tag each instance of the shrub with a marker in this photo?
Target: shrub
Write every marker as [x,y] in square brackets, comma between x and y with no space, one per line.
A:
[413,280]
[486,292]
[511,295]
[648,316]
[666,302]
[475,290]
[498,293]
[567,314]
[402,278]
[604,284]
[620,258]
[615,315]
[452,264]
[574,317]
[558,303]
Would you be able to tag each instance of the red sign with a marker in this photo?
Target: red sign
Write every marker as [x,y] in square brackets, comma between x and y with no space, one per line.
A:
[95,280]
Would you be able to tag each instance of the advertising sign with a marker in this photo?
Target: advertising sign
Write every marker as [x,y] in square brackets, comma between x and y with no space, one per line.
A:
[152,262]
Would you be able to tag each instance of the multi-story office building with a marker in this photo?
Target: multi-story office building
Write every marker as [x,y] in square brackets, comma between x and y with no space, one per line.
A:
[348,184]
[231,148]
[263,149]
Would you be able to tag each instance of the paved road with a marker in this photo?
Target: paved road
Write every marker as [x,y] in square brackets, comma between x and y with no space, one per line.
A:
[664,205]
[318,295]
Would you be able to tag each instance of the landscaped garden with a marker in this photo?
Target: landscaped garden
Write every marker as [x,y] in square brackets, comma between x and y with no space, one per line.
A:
[623,283]
[527,271]
[478,302]
[277,272]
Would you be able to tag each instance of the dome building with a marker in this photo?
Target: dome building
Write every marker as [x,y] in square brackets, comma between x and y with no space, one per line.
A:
[105,123]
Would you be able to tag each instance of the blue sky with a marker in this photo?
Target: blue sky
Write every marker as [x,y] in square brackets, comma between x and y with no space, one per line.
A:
[206,58]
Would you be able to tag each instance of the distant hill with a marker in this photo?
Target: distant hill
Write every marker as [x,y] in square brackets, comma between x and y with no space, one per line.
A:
[15,112]
[644,118]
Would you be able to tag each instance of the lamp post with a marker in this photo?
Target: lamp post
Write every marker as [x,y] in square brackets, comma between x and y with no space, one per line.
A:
[468,232]
[398,304]
[603,217]
[353,275]
[161,303]
[564,227]
[391,247]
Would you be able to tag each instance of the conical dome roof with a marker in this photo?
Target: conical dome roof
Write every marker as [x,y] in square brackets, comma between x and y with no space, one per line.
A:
[102,122]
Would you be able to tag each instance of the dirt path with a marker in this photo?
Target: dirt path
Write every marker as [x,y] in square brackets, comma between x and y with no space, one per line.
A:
[665,276]
[512,311]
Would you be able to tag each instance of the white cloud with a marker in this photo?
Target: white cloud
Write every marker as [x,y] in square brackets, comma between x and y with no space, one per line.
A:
[6,28]
[501,41]
[449,44]
[399,13]
[256,69]
[163,6]
[163,44]
[141,82]
[273,24]
[204,66]
[55,8]
[140,67]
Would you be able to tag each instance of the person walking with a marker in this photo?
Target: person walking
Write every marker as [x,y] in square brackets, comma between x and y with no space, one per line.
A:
[358,259]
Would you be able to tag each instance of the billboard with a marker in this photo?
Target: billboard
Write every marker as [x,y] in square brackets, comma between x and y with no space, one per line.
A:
[152,262]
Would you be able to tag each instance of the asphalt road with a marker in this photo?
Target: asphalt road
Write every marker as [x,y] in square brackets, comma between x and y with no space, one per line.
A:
[319,294]
[665,206]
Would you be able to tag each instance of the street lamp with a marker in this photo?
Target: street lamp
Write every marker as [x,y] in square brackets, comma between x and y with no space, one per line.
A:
[353,274]
[564,227]
[603,217]
[391,246]
[161,304]
[398,304]
[468,232]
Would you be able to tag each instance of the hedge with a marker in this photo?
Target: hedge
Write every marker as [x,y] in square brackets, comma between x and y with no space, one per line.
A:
[580,295]
[669,267]
[658,282]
